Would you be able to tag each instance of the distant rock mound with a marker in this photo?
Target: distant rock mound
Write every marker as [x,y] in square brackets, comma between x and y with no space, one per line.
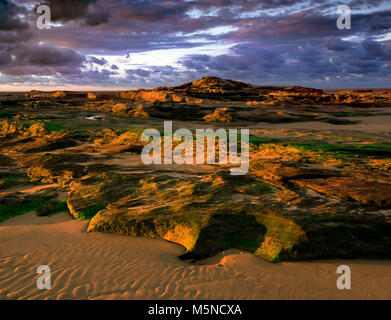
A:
[35,94]
[218,85]
[214,84]
[210,88]
[212,91]
[226,89]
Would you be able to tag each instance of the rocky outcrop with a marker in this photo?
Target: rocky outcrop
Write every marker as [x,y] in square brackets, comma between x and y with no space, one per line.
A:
[350,188]
[209,89]
[153,96]
[17,203]
[219,115]
[309,194]
[34,94]
[91,95]
[200,214]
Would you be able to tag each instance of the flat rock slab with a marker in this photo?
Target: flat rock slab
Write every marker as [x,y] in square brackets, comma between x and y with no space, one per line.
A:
[349,188]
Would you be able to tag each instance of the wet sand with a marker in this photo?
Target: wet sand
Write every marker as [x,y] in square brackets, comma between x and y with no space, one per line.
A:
[105,266]
[379,124]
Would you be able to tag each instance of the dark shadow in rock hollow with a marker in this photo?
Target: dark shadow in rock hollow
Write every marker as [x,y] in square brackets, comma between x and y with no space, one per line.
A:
[226,231]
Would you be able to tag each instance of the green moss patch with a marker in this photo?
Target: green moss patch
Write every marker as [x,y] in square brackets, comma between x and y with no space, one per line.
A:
[11,210]
[348,150]
[88,213]
[14,180]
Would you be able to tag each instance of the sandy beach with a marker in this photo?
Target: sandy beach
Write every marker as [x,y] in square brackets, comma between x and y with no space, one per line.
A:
[104,266]
[377,125]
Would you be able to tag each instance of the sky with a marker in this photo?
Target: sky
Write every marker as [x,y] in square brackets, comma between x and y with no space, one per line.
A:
[130,44]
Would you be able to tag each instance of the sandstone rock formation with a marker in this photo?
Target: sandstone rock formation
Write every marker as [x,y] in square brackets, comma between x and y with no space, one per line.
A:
[310,193]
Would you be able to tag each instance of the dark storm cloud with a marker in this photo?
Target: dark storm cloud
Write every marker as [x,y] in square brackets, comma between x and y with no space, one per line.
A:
[273,41]
[10,37]
[157,76]
[334,58]
[147,25]
[8,17]
[68,10]
[336,44]
[139,72]
[5,56]
[46,55]
[40,60]
[89,12]
[376,49]
[96,15]
[307,25]
[95,60]
[91,76]
[113,41]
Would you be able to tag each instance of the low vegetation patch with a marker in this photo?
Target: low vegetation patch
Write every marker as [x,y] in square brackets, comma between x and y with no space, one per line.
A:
[219,115]
[9,210]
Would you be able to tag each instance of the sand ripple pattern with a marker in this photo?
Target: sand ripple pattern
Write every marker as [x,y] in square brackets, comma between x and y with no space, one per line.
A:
[104,266]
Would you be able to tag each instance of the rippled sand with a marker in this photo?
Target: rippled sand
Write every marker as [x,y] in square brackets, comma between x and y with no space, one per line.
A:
[104,266]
